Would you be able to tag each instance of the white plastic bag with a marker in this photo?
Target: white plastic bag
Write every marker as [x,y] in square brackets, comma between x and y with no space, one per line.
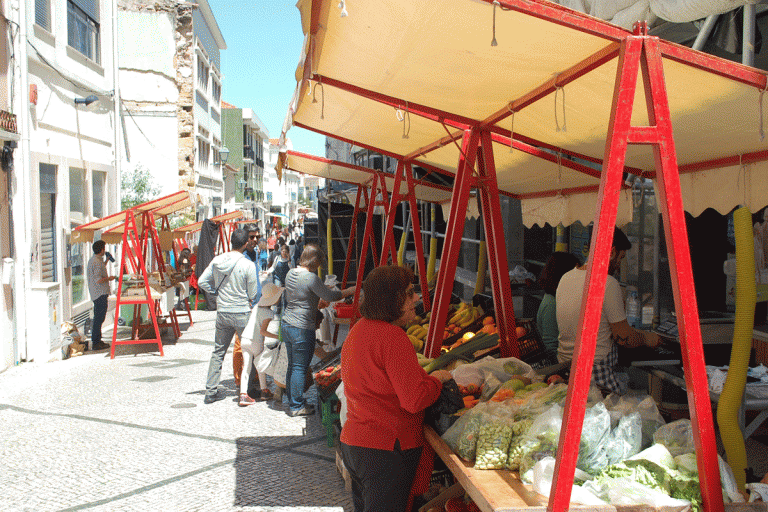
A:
[474,373]
[676,436]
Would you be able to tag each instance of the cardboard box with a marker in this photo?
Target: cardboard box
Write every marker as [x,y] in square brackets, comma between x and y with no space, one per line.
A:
[439,501]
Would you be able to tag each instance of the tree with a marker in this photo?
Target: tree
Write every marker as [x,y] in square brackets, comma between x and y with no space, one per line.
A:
[137,186]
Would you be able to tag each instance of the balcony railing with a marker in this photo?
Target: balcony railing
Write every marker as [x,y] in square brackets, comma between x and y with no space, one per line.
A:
[248,153]
[8,121]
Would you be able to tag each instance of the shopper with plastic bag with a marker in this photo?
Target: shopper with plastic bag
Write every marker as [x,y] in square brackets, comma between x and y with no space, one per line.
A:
[386,393]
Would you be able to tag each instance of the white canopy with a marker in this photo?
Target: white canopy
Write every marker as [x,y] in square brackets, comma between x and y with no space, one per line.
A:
[555,68]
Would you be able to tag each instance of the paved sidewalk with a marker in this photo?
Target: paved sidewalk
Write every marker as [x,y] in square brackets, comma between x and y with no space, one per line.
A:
[133,434]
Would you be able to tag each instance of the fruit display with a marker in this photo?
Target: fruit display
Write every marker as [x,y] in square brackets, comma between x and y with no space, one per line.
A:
[464,316]
[328,376]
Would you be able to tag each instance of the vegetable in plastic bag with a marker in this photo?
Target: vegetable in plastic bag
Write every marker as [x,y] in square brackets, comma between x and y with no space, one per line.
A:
[676,436]
[541,440]
[626,439]
[490,387]
[462,435]
[595,431]
[493,442]
[645,405]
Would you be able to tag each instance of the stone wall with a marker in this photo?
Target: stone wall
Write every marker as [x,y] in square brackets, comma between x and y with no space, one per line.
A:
[183,64]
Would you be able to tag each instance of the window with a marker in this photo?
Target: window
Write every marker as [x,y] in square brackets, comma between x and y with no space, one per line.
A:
[99,196]
[202,74]
[43,14]
[47,249]
[203,154]
[77,195]
[215,91]
[83,27]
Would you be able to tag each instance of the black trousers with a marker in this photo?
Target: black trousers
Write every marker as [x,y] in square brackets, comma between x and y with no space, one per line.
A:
[100,306]
[381,479]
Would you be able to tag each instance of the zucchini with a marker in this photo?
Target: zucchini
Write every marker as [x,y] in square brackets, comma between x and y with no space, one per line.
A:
[479,342]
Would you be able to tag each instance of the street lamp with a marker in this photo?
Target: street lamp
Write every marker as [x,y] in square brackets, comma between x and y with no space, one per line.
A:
[224,155]
[87,100]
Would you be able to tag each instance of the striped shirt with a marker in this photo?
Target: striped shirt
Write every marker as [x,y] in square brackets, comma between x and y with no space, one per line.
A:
[97,270]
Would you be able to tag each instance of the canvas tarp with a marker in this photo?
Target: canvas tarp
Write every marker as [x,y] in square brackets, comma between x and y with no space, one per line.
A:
[390,56]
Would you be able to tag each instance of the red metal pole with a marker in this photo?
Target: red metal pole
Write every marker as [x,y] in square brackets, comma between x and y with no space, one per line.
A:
[497,248]
[452,245]
[388,244]
[671,205]
[417,237]
[367,235]
[597,273]
[352,238]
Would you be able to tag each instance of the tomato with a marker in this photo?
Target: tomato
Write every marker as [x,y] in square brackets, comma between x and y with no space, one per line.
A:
[521,331]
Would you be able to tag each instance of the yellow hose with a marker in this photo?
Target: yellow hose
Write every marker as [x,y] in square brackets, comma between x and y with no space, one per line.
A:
[329,242]
[481,261]
[730,399]
[401,249]
[560,244]
[432,259]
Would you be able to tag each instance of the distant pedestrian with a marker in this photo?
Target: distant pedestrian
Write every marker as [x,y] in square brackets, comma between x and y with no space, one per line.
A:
[233,279]
[98,287]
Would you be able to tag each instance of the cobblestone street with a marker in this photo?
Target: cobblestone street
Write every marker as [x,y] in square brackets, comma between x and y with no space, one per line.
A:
[133,434]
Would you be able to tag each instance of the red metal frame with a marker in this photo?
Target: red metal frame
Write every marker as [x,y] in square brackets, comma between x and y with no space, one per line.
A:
[378,185]
[405,170]
[488,189]
[452,243]
[132,255]
[639,52]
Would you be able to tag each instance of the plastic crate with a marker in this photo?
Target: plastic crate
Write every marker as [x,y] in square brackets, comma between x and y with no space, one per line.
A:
[532,349]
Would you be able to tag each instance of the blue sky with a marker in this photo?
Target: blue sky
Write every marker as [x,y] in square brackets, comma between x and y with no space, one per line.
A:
[264,42]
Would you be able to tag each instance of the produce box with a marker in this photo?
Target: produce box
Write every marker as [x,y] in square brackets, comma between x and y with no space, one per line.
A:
[439,501]
[327,380]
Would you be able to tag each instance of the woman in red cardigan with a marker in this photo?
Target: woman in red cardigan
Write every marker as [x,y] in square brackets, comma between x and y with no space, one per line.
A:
[386,392]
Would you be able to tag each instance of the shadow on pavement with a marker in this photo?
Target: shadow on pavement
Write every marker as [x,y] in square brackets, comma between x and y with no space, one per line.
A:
[288,472]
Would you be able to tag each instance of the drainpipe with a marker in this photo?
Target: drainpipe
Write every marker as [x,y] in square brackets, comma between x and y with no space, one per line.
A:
[22,210]
[748,41]
[116,101]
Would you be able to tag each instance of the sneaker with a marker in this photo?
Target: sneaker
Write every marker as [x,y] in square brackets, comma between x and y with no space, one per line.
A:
[209,399]
[245,400]
[100,345]
[307,410]
[265,395]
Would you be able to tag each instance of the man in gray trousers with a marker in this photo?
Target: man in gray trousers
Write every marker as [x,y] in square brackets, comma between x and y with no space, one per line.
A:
[233,279]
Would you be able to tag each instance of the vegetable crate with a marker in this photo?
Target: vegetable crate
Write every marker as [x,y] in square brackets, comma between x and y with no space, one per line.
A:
[532,349]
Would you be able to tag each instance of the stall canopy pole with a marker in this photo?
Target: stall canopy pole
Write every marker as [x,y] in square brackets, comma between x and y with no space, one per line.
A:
[388,244]
[417,238]
[351,245]
[367,237]
[678,252]
[452,245]
[488,189]
[132,249]
[636,50]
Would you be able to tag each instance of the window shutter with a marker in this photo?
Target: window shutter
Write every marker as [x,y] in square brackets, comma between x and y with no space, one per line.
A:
[42,14]
[89,7]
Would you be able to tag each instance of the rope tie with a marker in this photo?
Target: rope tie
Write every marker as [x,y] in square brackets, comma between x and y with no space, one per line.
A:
[560,174]
[407,117]
[495,4]
[343,7]
[760,105]
[322,97]
[558,128]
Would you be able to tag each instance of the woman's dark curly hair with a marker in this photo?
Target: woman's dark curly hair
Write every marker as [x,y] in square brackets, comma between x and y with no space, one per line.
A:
[384,293]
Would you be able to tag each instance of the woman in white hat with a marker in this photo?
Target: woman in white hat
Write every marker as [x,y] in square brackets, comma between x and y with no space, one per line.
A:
[252,341]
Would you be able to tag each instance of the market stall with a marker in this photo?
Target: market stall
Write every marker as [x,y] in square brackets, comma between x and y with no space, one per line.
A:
[142,252]
[375,189]
[473,97]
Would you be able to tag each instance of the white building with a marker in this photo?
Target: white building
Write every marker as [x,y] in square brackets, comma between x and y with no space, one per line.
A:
[66,168]
[246,137]
[280,196]
[171,89]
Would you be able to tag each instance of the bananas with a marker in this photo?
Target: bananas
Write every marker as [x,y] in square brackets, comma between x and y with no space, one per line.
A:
[416,342]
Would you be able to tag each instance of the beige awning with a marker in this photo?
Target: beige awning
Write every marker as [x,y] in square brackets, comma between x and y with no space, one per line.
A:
[191,228]
[356,175]
[388,57]
[113,225]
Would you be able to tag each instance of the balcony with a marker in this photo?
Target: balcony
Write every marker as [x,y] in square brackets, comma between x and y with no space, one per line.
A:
[248,153]
[8,121]
[260,163]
